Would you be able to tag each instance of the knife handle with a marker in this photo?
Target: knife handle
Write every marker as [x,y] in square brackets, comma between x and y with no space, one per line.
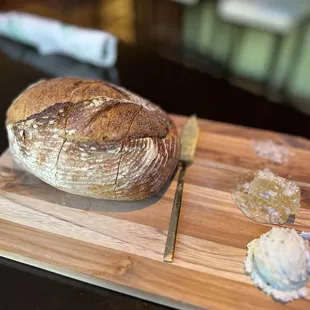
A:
[174,219]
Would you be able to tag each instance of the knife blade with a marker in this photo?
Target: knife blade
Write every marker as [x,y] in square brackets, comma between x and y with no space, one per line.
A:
[189,137]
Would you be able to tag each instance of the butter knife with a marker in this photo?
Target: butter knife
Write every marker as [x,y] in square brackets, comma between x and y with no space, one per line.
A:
[189,137]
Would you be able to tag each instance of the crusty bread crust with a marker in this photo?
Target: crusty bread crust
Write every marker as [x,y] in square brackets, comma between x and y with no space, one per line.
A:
[92,138]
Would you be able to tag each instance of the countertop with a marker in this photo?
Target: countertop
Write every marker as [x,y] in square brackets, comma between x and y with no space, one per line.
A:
[177,89]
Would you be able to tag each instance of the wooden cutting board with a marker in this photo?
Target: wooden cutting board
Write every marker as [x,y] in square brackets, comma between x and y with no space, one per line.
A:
[120,245]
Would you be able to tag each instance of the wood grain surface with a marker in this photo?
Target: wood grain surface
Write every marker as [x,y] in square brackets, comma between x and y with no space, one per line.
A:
[120,245]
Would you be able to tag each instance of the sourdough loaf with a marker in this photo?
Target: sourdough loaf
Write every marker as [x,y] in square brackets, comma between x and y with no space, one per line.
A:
[92,138]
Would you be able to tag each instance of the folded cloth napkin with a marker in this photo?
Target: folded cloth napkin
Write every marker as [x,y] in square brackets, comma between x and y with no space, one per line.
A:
[51,36]
[57,65]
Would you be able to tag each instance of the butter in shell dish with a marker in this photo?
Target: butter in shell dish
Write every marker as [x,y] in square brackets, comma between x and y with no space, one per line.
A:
[279,264]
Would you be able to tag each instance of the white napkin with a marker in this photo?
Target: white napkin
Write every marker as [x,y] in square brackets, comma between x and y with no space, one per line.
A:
[51,36]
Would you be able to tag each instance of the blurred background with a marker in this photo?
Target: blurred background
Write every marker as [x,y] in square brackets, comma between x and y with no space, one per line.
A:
[260,46]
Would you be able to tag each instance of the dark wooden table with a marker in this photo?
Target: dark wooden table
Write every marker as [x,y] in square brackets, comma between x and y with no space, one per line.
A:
[178,90]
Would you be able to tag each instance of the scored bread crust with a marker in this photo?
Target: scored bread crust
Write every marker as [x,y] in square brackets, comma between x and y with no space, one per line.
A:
[93,138]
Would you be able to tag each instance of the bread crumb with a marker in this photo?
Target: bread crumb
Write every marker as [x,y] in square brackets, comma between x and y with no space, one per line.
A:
[266,169]
[71,132]
[270,150]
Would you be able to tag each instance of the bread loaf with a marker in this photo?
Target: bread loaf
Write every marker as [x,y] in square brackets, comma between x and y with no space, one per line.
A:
[92,138]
